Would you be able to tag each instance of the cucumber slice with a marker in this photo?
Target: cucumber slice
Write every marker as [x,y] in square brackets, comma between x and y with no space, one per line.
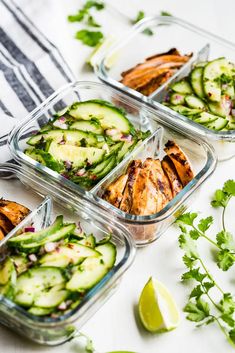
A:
[51,298]
[185,110]
[91,125]
[231,125]
[88,241]
[71,137]
[218,124]
[34,310]
[194,102]
[65,255]
[31,283]
[62,233]
[222,108]
[127,147]
[108,115]
[100,167]
[205,118]
[196,81]
[182,87]
[32,153]
[76,155]
[92,270]
[177,98]
[20,263]
[212,72]
[201,64]
[31,237]
[112,163]
[45,159]
[7,269]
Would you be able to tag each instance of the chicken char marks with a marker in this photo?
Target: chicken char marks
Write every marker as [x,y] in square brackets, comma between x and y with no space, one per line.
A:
[154,71]
[148,186]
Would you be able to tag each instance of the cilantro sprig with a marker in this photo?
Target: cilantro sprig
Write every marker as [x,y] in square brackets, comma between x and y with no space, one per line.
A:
[202,308]
[224,241]
[140,15]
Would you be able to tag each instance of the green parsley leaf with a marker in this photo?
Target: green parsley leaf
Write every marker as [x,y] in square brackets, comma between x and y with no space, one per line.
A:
[220,199]
[187,218]
[188,245]
[225,259]
[229,187]
[205,224]
[90,38]
[194,274]
[165,13]
[197,311]
[225,240]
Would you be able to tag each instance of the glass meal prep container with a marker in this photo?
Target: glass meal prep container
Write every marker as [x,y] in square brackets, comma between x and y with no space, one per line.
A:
[29,190]
[169,32]
[144,229]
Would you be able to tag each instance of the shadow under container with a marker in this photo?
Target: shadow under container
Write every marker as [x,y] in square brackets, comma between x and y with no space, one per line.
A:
[144,229]
[169,32]
[29,190]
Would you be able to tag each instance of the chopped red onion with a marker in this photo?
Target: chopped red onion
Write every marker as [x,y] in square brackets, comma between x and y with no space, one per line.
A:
[33,257]
[79,227]
[62,306]
[81,172]
[62,119]
[62,142]
[29,229]
[233,112]
[49,247]
[105,147]
[126,138]
[64,175]
[111,132]
[60,124]
[68,164]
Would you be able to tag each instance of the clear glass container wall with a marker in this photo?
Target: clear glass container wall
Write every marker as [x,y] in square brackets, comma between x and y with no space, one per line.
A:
[14,185]
[169,32]
[200,154]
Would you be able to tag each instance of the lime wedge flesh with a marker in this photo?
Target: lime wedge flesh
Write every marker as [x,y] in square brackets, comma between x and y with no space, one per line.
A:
[157,308]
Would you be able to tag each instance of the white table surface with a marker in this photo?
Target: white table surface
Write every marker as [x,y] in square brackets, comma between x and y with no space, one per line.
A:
[114,326]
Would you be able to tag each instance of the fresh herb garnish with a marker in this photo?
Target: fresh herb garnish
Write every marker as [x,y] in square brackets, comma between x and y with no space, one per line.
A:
[224,241]
[90,38]
[165,13]
[202,307]
[140,15]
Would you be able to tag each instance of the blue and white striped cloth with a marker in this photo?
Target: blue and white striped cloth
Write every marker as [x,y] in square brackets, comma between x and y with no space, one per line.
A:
[31,69]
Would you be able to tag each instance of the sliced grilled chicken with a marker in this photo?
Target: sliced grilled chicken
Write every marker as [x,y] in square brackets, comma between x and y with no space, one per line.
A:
[13,211]
[172,51]
[1,234]
[144,192]
[132,171]
[162,182]
[5,224]
[155,83]
[114,192]
[180,162]
[171,173]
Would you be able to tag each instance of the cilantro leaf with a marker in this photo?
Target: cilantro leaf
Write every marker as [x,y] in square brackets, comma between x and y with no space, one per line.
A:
[77,17]
[148,32]
[194,234]
[229,187]
[194,274]
[232,335]
[220,199]
[208,285]
[225,259]
[90,38]
[205,224]
[197,311]
[91,22]
[187,218]
[228,319]
[140,15]
[196,292]
[188,245]
[227,303]
[225,240]
[165,13]
[188,261]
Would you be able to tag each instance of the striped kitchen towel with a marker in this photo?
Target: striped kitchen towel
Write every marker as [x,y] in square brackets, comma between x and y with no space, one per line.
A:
[31,69]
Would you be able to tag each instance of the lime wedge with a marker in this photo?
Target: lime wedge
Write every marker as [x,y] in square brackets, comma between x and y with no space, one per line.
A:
[99,52]
[157,308]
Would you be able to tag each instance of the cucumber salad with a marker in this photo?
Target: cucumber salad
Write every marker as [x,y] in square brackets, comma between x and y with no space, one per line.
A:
[207,95]
[85,141]
[49,271]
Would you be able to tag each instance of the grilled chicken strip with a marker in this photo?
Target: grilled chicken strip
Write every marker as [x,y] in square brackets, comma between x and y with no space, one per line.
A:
[5,224]
[162,182]
[144,191]
[180,162]
[13,211]
[171,173]
[1,234]
[132,171]
[114,192]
